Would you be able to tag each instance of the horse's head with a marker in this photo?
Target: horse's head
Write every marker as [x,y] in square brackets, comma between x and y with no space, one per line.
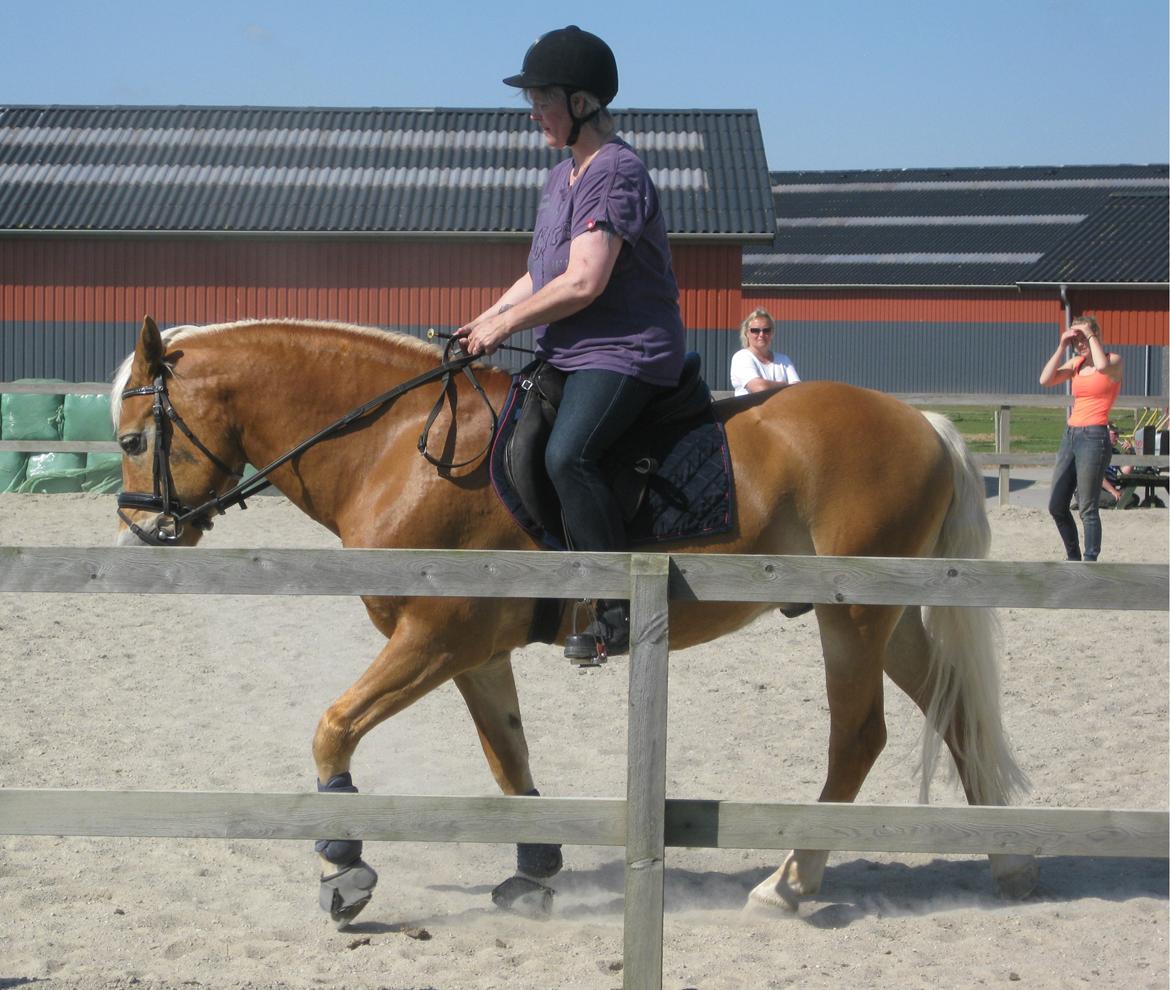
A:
[176,448]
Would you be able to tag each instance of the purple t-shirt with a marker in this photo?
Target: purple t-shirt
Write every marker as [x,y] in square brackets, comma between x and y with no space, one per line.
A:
[634,327]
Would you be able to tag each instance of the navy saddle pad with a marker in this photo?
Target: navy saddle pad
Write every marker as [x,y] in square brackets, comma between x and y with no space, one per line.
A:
[671,473]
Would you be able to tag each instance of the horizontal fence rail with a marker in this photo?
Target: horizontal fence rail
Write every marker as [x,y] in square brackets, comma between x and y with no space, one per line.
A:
[531,574]
[692,824]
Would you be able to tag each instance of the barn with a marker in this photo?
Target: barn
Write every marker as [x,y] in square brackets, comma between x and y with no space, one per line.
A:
[959,280]
[923,280]
[404,219]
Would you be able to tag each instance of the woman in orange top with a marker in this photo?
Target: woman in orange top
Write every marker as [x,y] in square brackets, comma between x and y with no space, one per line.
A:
[1085,450]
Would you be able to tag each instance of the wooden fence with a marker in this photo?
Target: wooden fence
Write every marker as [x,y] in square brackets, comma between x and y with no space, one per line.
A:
[645,822]
[1002,459]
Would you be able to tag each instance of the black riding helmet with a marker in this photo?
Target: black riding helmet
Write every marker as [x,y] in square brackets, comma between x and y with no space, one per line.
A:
[574,60]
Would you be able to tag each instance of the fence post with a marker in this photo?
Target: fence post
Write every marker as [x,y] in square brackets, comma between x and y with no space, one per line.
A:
[646,772]
[1003,444]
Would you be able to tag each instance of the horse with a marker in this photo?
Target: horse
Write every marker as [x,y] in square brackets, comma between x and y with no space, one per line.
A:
[193,405]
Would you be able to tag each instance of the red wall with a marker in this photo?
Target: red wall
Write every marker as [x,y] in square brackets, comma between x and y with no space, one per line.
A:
[1128,317]
[388,283]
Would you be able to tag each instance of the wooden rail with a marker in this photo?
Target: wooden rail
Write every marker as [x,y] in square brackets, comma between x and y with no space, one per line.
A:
[645,822]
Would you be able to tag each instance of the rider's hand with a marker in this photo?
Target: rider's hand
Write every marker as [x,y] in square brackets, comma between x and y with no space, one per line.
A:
[484,336]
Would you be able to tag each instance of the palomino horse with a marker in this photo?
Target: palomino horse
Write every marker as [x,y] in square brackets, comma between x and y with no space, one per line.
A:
[250,392]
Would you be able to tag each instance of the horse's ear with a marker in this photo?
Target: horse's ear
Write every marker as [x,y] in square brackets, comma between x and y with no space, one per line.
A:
[148,355]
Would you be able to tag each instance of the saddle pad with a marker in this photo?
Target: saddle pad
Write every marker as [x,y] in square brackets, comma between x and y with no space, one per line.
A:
[689,495]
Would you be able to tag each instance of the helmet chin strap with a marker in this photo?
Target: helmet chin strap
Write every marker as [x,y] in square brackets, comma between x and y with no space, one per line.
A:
[575,132]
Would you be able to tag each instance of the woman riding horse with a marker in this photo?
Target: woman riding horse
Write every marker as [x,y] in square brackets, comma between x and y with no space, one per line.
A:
[599,290]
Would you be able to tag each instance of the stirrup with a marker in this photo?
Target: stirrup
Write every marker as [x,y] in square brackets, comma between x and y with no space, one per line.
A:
[585,649]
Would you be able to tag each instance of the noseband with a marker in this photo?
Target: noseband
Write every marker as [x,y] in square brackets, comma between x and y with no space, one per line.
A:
[173,513]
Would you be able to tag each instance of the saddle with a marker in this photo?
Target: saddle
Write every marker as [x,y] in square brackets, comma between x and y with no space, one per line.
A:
[671,473]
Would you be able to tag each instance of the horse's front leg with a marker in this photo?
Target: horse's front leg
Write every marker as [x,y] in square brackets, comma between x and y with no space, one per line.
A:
[490,694]
[415,661]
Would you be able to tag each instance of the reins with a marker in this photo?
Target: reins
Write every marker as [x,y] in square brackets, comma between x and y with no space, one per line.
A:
[169,506]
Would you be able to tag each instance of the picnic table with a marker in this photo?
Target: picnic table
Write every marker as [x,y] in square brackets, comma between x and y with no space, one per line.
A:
[1147,480]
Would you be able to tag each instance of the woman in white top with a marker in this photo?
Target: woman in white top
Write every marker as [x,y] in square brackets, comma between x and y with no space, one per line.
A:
[756,368]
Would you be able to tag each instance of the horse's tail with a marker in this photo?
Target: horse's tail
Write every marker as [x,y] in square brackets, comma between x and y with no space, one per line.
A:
[965,648]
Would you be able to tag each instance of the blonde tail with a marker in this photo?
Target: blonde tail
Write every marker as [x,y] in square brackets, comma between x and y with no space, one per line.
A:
[965,649]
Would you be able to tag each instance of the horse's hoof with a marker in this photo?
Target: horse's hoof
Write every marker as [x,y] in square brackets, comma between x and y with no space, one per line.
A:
[525,896]
[773,897]
[345,893]
[1015,876]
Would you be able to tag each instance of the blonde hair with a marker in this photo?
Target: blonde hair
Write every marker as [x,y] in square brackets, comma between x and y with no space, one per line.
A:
[755,314]
[602,123]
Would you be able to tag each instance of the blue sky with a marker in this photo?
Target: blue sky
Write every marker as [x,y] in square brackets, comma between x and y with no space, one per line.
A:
[838,83]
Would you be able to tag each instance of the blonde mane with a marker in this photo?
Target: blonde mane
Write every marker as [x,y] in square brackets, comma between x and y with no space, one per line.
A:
[175,335]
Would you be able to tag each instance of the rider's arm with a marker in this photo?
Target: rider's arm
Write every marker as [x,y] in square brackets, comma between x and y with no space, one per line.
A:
[592,256]
[520,290]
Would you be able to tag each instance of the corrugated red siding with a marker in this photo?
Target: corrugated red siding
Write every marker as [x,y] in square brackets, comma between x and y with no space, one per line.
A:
[209,281]
[909,306]
[1128,316]
[709,280]
[399,283]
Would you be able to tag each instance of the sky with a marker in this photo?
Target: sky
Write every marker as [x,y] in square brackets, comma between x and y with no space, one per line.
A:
[838,84]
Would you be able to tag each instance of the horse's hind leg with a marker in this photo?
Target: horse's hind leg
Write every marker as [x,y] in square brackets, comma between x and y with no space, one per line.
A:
[490,694]
[908,664]
[852,639]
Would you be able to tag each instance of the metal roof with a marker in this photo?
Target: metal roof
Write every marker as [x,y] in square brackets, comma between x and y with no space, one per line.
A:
[351,171]
[1127,240]
[953,227]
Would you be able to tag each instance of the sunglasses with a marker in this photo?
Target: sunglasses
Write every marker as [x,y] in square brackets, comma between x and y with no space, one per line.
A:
[759,330]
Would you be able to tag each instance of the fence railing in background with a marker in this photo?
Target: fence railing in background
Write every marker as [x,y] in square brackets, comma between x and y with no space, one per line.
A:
[1002,459]
[645,822]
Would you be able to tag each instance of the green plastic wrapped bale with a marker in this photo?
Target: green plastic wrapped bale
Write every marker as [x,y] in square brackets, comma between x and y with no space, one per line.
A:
[54,473]
[103,473]
[87,417]
[12,468]
[31,417]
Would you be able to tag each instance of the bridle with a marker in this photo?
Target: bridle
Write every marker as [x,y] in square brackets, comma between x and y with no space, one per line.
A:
[171,510]
[173,513]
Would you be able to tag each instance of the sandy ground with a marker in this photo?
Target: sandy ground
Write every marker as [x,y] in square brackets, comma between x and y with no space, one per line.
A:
[216,693]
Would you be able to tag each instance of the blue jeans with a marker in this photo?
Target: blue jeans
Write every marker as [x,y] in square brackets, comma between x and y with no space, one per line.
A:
[1084,455]
[597,408]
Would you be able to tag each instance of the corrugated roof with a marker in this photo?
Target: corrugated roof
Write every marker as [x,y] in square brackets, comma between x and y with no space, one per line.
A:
[945,227]
[1127,240]
[440,171]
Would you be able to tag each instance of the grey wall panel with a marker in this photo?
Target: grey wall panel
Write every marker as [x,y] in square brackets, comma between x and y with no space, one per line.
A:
[907,358]
[72,352]
[1004,359]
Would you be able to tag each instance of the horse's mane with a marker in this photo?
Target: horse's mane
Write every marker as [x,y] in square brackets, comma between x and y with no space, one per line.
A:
[176,335]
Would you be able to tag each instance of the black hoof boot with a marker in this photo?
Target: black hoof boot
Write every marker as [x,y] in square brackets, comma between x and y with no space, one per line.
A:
[792,611]
[525,896]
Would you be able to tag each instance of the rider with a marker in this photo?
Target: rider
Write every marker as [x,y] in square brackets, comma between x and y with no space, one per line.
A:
[599,291]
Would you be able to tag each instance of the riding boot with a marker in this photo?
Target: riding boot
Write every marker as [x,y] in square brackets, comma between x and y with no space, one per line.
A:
[606,635]
[612,626]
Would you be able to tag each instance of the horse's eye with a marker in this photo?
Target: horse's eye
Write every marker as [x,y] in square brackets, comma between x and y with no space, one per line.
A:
[133,443]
